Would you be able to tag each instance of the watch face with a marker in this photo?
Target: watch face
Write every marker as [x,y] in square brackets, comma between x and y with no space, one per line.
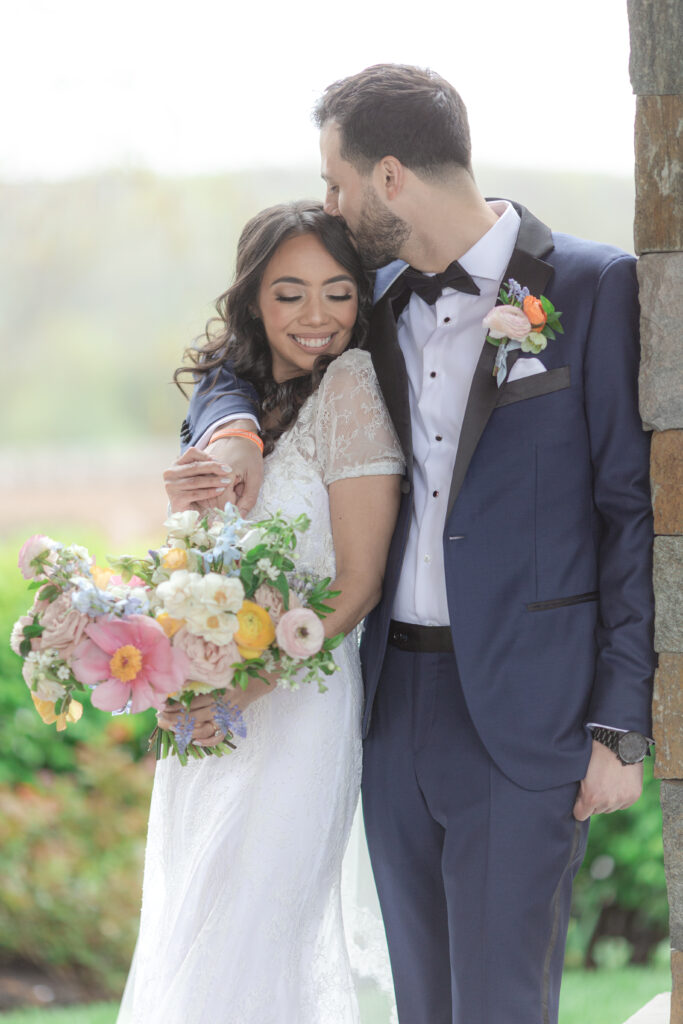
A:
[633,747]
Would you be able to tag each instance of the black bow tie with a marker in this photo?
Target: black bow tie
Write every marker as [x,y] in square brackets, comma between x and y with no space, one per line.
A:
[429,287]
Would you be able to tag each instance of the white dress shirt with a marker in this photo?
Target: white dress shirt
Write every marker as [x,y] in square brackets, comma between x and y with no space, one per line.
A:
[441,345]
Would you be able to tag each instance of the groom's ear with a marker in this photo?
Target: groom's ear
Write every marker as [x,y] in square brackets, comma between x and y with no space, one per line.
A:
[389,175]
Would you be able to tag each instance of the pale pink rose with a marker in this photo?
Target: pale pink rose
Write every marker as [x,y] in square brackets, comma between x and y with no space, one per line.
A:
[300,633]
[507,322]
[271,599]
[33,547]
[128,658]
[207,662]
[63,626]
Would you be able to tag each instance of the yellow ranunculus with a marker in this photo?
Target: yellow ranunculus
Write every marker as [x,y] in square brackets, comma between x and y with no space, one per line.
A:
[255,631]
[46,710]
[174,559]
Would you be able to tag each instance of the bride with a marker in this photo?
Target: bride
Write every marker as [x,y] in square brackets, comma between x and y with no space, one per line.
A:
[241,912]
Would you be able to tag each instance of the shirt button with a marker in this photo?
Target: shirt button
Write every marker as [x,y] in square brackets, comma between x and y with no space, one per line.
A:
[446,319]
[428,559]
[435,494]
[438,437]
[433,373]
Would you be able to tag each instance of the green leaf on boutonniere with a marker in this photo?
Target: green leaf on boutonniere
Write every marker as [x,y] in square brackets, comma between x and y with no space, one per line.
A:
[547,305]
[549,333]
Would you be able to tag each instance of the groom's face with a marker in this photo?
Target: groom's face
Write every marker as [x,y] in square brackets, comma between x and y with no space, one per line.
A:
[377,232]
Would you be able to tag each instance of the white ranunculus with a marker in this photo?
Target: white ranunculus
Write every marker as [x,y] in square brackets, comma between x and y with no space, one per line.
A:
[217,627]
[219,593]
[177,594]
[182,524]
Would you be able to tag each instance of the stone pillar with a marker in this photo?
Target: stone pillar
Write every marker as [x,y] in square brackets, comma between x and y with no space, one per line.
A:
[656,76]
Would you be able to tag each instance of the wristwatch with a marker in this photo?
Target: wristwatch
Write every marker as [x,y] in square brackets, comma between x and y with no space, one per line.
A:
[630,747]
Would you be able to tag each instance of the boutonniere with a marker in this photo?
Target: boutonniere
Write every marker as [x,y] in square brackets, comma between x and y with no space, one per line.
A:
[521,321]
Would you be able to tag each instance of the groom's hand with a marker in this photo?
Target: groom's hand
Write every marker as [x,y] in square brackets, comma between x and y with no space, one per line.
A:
[244,462]
[609,785]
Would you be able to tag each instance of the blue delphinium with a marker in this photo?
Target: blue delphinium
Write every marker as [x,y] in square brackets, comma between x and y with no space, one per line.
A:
[228,718]
[183,732]
[516,292]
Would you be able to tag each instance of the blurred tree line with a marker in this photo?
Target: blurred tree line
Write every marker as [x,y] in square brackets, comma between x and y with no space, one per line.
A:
[108,278]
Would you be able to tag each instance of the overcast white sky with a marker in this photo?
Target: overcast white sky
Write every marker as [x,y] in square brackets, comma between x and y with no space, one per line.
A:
[203,86]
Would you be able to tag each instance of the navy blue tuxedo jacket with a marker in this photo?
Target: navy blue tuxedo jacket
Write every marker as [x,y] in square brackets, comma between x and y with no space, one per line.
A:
[548,535]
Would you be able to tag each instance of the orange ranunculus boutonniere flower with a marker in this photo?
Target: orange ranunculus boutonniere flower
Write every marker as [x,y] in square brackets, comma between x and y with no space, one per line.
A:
[533,308]
[520,321]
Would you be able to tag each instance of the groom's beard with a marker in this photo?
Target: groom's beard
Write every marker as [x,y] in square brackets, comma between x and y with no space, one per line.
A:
[380,234]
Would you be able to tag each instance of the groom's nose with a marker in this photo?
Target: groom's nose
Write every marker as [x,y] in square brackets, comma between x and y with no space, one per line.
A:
[330,204]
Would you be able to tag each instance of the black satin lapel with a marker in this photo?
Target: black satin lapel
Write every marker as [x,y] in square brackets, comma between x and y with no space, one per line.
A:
[390,368]
[534,239]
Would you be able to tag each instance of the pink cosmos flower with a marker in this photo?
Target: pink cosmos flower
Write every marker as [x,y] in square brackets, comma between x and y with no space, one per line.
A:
[33,547]
[124,658]
[507,322]
[300,633]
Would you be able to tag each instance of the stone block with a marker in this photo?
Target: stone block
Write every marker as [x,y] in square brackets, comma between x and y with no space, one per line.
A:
[659,174]
[671,795]
[660,279]
[667,717]
[656,28]
[677,993]
[668,584]
[666,472]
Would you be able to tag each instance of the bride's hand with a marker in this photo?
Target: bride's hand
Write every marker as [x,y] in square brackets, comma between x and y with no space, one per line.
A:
[203,707]
[196,481]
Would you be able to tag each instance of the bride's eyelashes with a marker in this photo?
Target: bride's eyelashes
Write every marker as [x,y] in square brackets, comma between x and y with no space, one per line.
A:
[296,298]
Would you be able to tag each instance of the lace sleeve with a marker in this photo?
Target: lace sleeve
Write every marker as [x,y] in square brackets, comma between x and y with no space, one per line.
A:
[354,434]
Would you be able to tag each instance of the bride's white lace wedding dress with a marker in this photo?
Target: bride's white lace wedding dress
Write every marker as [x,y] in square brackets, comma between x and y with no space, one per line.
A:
[241,913]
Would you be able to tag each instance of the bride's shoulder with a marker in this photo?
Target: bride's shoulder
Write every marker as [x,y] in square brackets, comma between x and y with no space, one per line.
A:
[353,367]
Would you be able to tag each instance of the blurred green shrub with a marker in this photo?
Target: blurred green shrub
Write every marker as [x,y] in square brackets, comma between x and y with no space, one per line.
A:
[72,849]
[620,892]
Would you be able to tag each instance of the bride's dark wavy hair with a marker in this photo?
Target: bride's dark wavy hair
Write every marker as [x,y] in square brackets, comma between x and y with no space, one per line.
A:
[237,337]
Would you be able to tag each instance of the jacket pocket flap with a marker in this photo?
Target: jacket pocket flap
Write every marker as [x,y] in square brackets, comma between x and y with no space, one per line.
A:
[534,385]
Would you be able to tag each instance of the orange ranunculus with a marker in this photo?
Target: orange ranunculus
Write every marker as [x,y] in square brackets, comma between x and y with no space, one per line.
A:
[46,710]
[534,310]
[255,631]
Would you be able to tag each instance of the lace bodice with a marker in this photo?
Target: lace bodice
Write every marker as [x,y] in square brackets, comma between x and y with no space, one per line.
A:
[343,430]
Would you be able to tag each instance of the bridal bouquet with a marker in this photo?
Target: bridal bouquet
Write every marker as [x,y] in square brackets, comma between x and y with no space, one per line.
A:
[221,603]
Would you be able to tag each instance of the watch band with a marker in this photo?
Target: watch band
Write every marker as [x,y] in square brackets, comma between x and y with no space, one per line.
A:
[630,747]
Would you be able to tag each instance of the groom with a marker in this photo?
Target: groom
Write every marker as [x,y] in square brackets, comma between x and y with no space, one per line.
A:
[508,667]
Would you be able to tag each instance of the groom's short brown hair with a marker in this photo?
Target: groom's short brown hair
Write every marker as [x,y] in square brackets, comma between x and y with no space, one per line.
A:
[398,110]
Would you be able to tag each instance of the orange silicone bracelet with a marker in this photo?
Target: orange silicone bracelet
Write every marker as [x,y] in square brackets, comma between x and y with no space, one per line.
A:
[249,434]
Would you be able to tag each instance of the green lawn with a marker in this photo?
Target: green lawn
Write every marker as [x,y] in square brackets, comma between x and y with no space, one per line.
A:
[598,997]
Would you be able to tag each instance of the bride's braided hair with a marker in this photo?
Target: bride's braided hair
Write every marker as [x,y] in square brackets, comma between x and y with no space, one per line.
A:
[237,337]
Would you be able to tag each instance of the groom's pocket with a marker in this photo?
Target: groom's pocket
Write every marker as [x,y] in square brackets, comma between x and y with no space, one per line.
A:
[562,602]
[534,385]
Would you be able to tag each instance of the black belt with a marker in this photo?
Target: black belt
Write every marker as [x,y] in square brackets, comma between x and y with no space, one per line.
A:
[407,636]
